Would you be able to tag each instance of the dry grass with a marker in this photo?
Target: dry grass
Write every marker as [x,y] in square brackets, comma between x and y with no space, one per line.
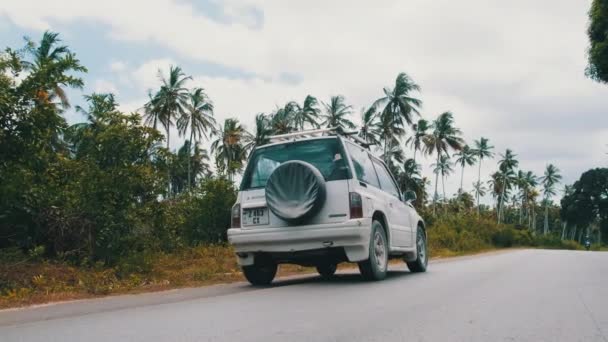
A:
[28,283]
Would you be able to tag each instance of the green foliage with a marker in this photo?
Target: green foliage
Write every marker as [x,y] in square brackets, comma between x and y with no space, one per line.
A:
[598,38]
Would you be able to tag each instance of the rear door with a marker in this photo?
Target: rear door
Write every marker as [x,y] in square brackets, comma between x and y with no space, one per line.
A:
[401,229]
[326,154]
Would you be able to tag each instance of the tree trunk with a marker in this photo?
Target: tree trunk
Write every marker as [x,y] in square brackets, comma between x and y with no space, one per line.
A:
[546,223]
[565,224]
[478,184]
[168,167]
[415,150]
[461,177]
[189,159]
[436,183]
[445,207]
[501,198]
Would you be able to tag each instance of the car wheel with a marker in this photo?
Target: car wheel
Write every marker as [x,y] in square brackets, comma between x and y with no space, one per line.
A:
[374,268]
[262,272]
[327,270]
[422,256]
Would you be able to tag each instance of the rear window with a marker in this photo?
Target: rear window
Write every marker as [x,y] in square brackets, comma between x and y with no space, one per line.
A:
[325,154]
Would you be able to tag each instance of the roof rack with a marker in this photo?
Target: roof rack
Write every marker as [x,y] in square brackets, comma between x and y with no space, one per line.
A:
[319,133]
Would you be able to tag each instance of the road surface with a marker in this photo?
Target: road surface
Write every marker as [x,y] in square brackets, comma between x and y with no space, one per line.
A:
[521,295]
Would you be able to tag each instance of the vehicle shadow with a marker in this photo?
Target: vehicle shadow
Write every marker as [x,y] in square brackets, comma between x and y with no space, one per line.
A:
[345,277]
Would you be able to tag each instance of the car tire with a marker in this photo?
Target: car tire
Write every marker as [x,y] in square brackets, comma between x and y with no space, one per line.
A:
[422,255]
[374,268]
[261,273]
[327,270]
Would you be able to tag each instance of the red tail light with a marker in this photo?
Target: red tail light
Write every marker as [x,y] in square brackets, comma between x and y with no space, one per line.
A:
[356,205]
[236,216]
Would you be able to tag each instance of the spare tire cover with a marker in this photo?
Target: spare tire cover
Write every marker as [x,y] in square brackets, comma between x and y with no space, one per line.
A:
[295,191]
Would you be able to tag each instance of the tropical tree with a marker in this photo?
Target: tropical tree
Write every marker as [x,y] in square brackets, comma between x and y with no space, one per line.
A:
[168,103]
[229,147]
[263,131]
[370,127]
[481,151]
[198,118]
[444,137]
[308,113]
[506,167]
[549,180]
[598,38]
[420,131]
[99,105]
[282,120]
[50,70]
[479,190]
[464,157]
[443,167]
[336,113]
[410,179]
[398,108]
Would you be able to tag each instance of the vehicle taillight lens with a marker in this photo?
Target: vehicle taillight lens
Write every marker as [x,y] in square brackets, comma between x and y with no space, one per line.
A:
[236,216]
[356,205]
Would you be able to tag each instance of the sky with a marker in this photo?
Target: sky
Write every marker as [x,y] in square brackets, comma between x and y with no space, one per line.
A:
[511,71]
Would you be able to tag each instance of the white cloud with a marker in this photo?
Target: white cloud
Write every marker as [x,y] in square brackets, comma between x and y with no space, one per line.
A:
[104,86]
[118,66]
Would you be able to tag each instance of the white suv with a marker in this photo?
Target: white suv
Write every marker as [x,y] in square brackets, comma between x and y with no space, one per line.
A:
[318,198]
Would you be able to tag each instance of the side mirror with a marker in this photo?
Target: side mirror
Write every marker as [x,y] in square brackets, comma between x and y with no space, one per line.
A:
[409,196]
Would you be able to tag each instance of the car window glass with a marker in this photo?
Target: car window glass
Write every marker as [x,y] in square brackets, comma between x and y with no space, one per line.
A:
[364,169]
[324,154]
[386,181]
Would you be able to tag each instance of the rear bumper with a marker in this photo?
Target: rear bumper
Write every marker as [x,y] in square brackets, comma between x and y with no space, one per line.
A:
[352,235]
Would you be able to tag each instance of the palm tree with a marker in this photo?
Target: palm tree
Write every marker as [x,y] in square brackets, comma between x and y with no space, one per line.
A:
[394,156]
[263,130]
[464,157]
[168,104]
[99,105]
[336,113]
[283,119]
[398,107]
[443,167]
[530,181]
[198,117]
[420,130]
[229,147]
[443,138]
[506,166]
[370,128]
[482,150]
[50,70]
[479,189]
[549,180]
[308,113]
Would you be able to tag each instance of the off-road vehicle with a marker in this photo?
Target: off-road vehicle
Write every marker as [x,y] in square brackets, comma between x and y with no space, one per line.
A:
[318,198]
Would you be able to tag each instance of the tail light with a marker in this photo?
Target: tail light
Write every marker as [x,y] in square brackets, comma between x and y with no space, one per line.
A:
[236,216]
[356,205]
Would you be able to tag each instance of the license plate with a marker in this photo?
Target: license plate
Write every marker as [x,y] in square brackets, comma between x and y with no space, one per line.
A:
[255,216]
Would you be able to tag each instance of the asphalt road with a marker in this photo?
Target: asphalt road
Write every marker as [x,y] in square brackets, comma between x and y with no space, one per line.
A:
[523,295]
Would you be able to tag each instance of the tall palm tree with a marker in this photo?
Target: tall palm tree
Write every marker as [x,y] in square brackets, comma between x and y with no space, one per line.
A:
[336,113]
[198,117]
[549,180]
[506,166]
[50,70]
[229,147]
[530,181]
[443,167]
[308,113]
[444,137]
[420,130]
[398,107]
[464,157]
[370,128]
[168,104]
[482,150]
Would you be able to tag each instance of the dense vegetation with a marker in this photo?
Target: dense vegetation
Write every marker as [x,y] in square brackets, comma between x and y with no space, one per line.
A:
[598,37]
[109,192]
